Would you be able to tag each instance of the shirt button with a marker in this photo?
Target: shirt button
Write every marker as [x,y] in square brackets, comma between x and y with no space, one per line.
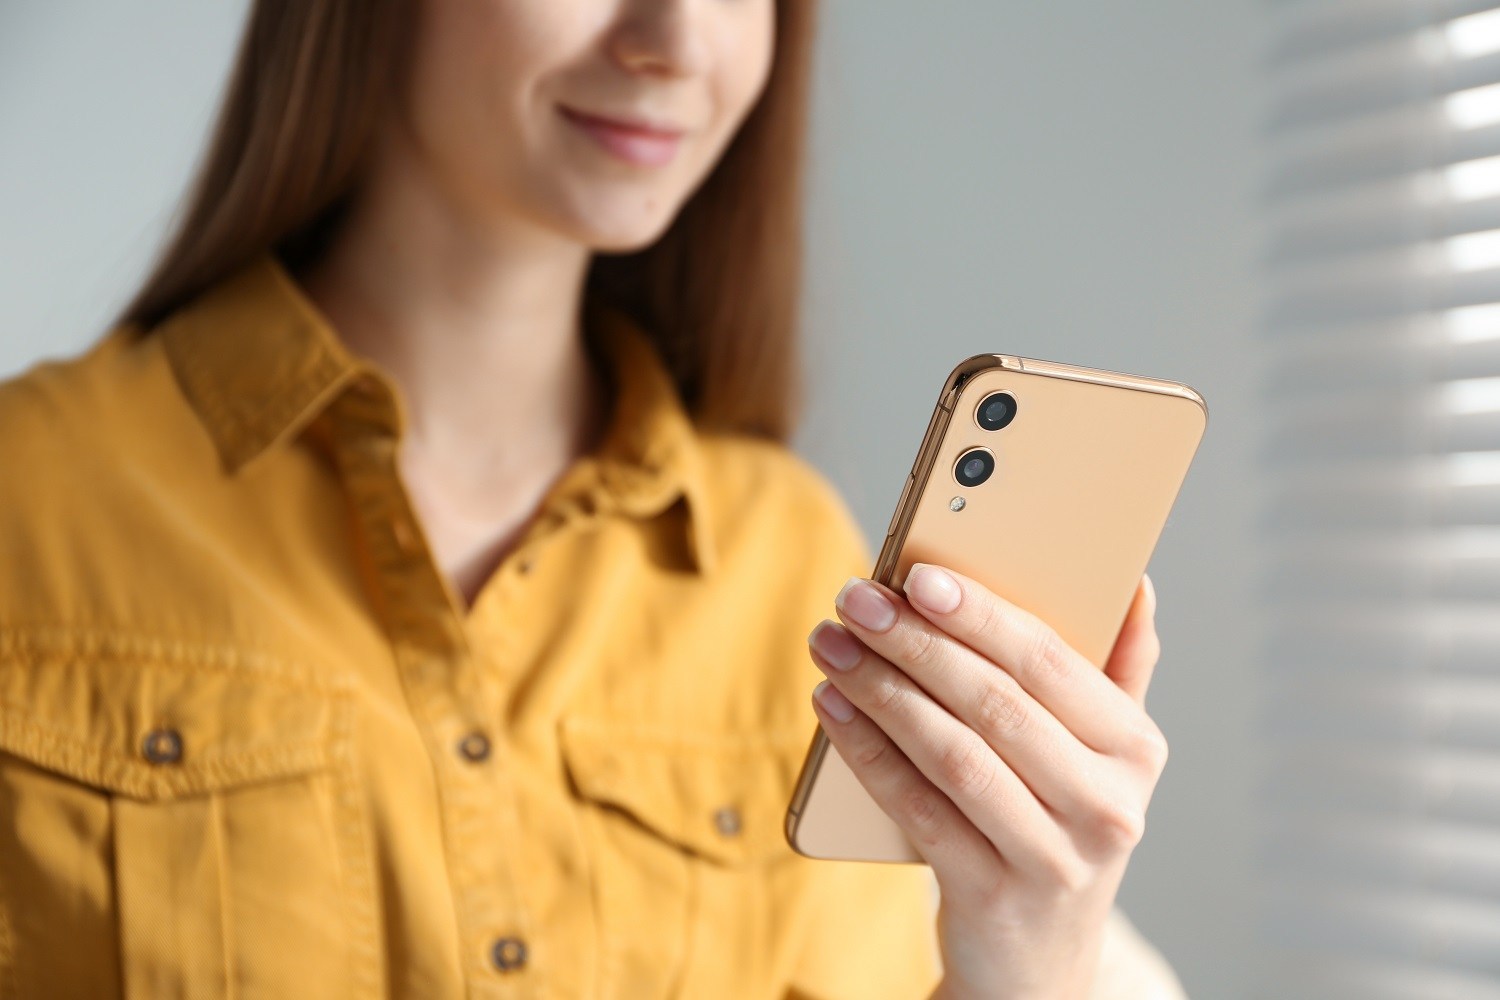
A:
[508,953]
[727,821]
[162,746]
[474,747]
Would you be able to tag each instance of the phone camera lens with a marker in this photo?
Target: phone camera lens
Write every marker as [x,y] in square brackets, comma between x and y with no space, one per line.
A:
[996,411]
[973,467]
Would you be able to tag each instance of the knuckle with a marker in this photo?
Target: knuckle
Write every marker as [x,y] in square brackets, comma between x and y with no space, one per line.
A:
[922,647]
[920,805]
[886,697]
[967,768]
[1063,872]
[1158,752]
[1149,746]
[1119,826]
[987,617]
[872,754]
[994,892]
[1000,714]
[1046,656]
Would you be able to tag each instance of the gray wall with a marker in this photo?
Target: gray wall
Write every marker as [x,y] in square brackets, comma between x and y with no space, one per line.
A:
[102,110]
[1063,181]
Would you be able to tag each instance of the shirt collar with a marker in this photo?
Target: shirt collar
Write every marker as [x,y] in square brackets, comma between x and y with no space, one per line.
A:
[258,362]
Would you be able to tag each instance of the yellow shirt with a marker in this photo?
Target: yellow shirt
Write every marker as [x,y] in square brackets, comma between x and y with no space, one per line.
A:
[252,744]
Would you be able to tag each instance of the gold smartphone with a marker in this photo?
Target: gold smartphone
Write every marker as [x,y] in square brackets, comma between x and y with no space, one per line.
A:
[1047,483]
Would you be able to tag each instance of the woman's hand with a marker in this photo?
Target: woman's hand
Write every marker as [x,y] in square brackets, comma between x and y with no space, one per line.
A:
[1018,769]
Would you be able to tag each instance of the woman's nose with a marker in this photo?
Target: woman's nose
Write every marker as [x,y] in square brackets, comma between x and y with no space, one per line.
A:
[660,37]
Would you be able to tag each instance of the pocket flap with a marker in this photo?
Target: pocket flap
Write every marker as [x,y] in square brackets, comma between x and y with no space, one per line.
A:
[719,795]
[88,711]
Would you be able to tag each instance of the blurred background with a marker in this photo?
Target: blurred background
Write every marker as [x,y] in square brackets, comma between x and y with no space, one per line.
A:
[1291,206]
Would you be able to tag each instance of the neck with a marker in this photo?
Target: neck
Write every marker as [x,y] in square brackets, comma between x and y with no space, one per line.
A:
[477,321]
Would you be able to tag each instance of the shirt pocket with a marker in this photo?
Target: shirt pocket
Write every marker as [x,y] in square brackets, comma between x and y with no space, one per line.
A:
[179,825]
[684,832]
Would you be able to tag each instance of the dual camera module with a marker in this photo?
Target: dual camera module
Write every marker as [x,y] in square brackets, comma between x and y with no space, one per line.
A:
[993,413]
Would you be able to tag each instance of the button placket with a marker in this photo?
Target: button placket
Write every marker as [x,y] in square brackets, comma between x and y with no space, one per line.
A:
[432,650]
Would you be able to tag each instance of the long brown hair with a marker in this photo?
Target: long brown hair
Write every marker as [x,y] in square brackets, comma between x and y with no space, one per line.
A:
[719,292]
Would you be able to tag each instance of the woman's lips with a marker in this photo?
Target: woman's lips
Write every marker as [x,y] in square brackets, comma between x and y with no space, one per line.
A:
[634,142]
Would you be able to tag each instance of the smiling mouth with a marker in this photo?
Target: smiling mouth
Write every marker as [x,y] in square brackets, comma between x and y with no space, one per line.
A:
[634,142]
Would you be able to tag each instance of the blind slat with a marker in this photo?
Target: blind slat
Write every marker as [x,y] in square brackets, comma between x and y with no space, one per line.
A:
[1386,291]
[1419,141]
[1323,364]
[1310,31]
[1372,511]
[1377,433]
[1327,240]
[1387,80]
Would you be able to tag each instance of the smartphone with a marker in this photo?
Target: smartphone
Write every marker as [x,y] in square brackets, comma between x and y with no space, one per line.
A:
[1047,483]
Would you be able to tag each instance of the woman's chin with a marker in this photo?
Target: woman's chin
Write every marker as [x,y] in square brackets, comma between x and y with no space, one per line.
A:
[607,226]
[623,241]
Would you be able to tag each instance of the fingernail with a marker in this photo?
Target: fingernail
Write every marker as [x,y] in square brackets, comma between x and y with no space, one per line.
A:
[933,588]
[862,604]
[835,645]
[833,701]
[1151,595]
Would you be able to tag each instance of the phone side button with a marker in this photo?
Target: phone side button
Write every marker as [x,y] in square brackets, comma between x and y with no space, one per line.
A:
[900,506]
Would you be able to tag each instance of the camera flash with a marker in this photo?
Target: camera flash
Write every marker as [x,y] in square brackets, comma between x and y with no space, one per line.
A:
[956,504]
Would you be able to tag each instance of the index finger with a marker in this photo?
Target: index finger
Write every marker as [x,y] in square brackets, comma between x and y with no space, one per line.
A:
[1075,691]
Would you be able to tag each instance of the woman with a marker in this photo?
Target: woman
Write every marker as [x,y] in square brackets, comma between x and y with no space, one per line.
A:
[409,593]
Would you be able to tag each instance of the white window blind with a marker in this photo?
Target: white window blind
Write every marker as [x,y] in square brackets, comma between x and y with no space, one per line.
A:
[1380,845]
